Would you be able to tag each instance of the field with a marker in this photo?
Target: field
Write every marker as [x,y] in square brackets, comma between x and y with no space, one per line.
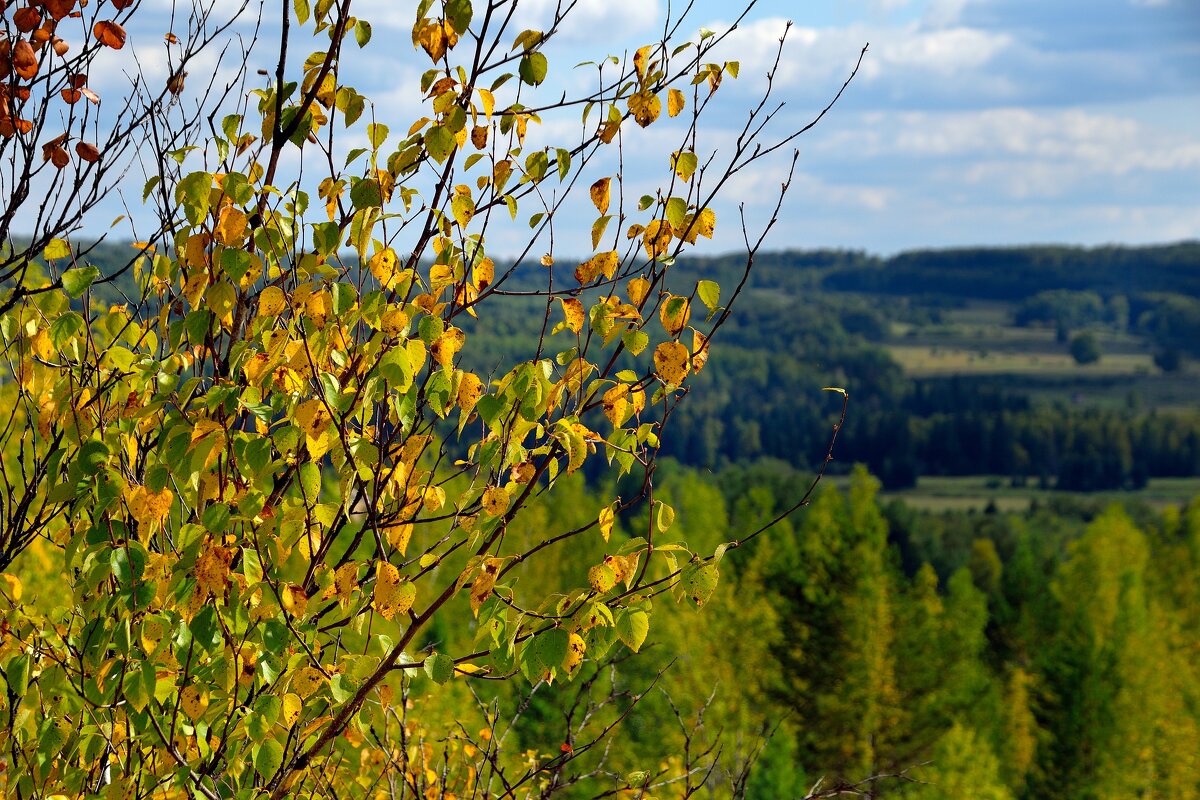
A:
[978,340]
[974,493]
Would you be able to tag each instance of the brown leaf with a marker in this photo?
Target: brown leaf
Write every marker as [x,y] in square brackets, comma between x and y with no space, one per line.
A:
[24,61]
[121,5]
[57,9]
[87,152]
[27,19]
[60,46]
[109,33]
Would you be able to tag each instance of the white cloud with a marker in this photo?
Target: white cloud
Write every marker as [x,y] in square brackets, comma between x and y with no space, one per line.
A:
[909,59]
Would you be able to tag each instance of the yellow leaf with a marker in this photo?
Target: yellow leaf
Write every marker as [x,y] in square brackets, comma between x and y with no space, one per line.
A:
[193,703]
[645,107]
[345,581]
[699,351]
[147,507]
[392,597]
[398,536]
[307,680]
[222,297]
[446,347]
[393,321]
[292,706]
[573,312]
[431,37]
[194,286]
[675,102]
[576,648]
[674,313]
[640,58]
[656,239]
[383,267]
[487,100]
[231,226]
[12,586]
[485,581]
[600,264]
[463,207]
[319,307]
[700,224]
[288,381]
[671,362]
[271,302]
[212,569]
[470,389]
[606,519]
[483,273]
[523,472]
[433,498]
[637,289]
[313,417]
[600,194]
[495,501]
[195,250]
[616,408]
[602,578]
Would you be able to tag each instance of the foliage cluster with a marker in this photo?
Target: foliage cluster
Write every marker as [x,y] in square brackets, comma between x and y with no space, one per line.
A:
[272,474]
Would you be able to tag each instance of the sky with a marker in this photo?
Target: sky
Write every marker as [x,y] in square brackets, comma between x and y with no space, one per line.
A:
[971,122]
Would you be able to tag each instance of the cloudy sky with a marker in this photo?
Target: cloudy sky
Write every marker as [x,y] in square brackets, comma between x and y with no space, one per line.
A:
[971,121]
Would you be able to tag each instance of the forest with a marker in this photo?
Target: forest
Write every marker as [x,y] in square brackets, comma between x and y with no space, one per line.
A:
[314,488]
[864,643]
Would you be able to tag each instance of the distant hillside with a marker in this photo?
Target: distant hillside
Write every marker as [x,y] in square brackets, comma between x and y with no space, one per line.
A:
[1017,273]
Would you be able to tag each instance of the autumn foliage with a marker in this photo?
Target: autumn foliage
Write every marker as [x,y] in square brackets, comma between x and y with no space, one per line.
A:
[274,470]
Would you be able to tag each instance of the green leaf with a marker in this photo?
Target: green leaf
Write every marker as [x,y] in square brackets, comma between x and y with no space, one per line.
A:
[549,649]
[533,68]
[635,341]
[17,675]
[327,236]
[362,32]
[57,248]
[269,758]
[459,12]
[194,194]
[76,281]
[302,10]
[440,143]
[666,517]
[310,481]
[140,686]
[366,194]
[235,262]
[563,158]
[709,293]
[439,667]
[684,165]
[698,582]
[676,211]
[377,134]
[66,327]
[632,628]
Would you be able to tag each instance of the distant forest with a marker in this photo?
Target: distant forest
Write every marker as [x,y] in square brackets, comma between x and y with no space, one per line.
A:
[810,319]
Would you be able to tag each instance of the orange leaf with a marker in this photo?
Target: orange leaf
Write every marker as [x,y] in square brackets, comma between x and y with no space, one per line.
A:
[109,33]
[26,19]
[24,60]
[87,152]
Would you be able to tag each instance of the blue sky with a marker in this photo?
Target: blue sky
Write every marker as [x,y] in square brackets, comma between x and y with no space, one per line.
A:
[972,121]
